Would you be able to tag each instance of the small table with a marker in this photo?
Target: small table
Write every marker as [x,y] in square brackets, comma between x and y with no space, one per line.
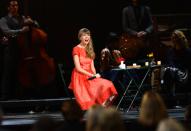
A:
[133,78]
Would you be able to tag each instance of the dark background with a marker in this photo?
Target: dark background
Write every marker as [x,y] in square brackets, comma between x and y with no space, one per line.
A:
[62,19]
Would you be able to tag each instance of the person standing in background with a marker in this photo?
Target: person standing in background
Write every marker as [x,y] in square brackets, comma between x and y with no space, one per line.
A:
[12,25]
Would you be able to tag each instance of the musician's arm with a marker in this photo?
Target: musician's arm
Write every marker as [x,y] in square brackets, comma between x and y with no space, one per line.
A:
[125,23]
[6,30]
[36,23]
[150,27]
[29,21]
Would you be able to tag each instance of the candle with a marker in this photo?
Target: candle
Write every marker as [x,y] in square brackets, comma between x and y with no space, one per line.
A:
[146,63]
[134,64]
[158,62]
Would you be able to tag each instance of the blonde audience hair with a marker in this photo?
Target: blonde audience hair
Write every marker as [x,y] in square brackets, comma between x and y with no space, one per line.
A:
[110,120]
[104,119]
[71,111]
[92,117]
[170,125]
[153,109]
[89,48]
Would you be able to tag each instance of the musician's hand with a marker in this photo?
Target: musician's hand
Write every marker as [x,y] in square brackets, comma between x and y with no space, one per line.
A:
[141,34]
[25,29]
[28,21]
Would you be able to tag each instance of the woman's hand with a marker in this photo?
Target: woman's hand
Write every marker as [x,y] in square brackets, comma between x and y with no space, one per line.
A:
[97,75]
[94,76]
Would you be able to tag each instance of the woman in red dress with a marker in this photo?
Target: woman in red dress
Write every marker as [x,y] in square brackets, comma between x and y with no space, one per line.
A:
[87,91]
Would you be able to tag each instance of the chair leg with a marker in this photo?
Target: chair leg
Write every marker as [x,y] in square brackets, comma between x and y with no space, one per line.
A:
[61,71]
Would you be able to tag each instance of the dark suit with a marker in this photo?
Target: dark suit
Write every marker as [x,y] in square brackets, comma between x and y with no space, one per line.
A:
[138,19]
[11,27]
[134,22]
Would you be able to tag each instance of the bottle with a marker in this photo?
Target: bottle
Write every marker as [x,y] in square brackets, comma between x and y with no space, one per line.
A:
[122,65]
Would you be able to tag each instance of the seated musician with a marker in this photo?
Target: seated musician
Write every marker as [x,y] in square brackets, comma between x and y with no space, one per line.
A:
[137,22]
[137,19]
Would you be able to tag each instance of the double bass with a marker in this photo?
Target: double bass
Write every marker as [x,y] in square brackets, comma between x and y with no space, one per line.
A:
[35,67]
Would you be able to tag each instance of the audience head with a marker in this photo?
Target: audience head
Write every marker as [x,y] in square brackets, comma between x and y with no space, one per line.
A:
[110,120]
[1,115]
[93,116]
[153,109]
[170,125]
[44,123]
[104,119]
[71,111]
[179,40]
[188,113]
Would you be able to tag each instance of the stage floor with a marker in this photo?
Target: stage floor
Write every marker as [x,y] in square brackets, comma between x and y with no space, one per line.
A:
[29,117]
[19,112]
[16,119]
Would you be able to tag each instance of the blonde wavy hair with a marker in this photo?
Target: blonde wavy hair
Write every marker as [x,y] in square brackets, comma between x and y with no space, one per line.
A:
[89,48]
[170,124]
[179,40]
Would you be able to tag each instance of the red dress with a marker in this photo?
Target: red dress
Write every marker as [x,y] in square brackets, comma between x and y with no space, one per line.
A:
[89,92]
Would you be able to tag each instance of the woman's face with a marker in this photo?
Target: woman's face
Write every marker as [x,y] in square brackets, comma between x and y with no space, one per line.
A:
[85,38]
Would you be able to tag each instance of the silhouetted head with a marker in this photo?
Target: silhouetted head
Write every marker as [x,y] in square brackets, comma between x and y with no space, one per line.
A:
[71,111]
[153,109]
[170,125]
[44,123]
[188,113]
[135,2]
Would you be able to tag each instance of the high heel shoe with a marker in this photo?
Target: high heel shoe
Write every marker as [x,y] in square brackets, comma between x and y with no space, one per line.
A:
[109,101]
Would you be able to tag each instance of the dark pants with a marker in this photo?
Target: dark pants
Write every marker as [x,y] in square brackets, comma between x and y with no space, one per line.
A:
[9,73]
